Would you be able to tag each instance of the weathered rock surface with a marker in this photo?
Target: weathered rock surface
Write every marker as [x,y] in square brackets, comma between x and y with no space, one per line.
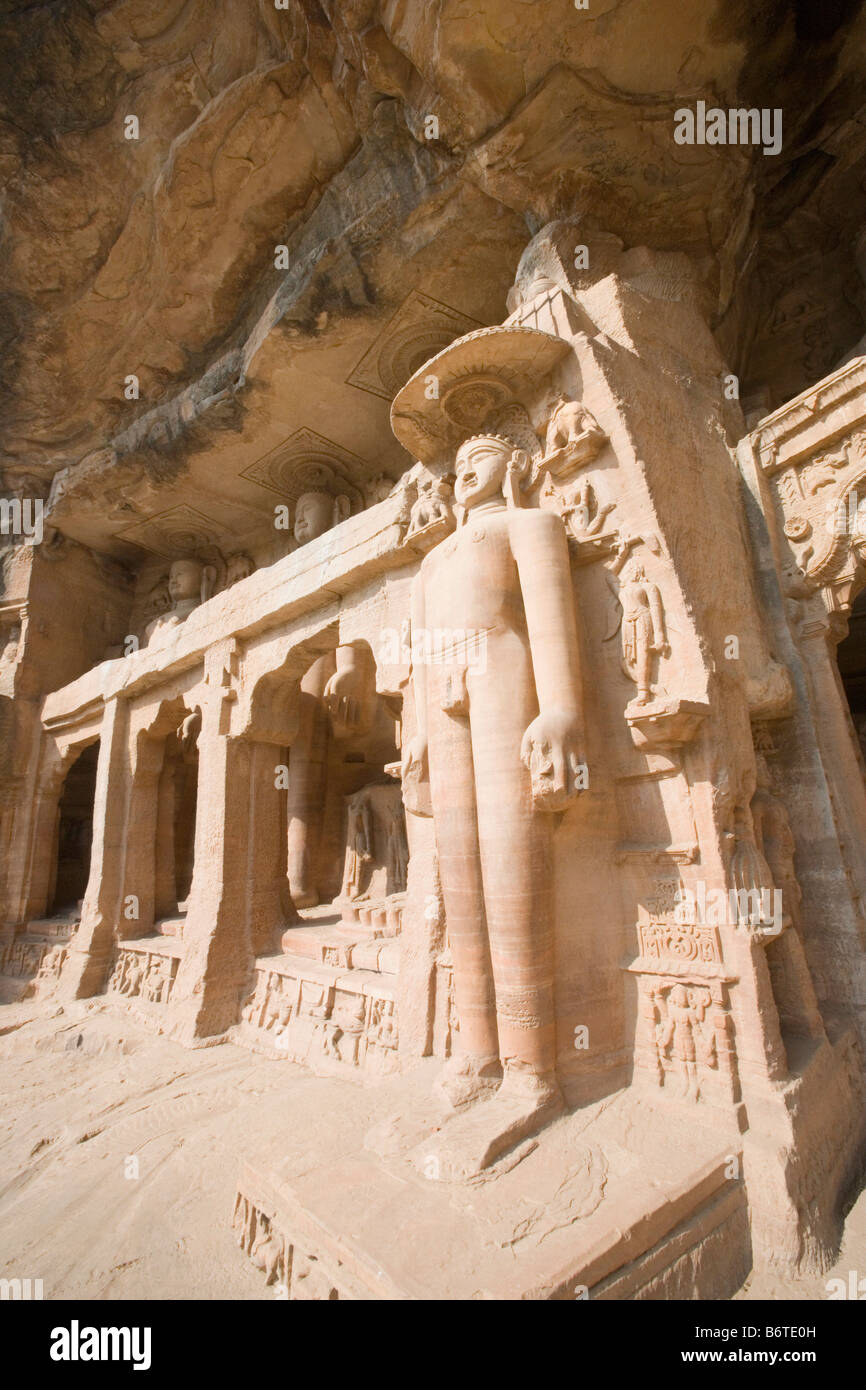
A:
[304,126]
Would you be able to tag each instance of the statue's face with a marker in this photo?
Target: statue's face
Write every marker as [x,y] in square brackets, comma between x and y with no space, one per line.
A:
[314,515]
[184,580]
[480,467]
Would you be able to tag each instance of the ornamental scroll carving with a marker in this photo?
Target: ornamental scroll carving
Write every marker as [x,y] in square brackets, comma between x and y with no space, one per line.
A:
[820,500]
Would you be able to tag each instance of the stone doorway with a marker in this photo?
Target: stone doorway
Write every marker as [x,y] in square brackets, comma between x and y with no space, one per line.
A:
[74,835]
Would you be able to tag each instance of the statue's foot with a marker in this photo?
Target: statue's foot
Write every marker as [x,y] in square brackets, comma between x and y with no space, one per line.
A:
[468,1143]
[538,1090]
[466,1078]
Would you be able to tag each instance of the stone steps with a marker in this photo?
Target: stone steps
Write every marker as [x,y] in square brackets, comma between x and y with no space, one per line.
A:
[328,1000]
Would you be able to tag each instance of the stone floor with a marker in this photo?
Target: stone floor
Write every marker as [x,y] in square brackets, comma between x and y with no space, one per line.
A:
[85,1093]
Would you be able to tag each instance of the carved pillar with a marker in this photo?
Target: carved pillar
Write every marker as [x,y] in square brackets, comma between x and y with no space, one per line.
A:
[269,905]
[238,901]
[216,958]
[139,872]
[92,946]
[307,783]
[36,889]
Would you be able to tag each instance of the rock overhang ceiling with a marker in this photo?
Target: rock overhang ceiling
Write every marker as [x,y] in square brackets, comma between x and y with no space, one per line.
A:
[307,127]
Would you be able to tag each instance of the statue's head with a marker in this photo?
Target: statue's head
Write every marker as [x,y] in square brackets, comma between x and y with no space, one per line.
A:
[487,466]
[316,513]
[185,580]
[189,580]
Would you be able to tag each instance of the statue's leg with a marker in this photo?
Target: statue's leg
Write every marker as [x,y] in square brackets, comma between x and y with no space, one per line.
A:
[517,870]
[307,784]
[516,873]
[474,1067]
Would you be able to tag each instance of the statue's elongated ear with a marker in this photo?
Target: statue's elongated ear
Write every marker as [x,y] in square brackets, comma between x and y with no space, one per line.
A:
[519,463]
[342,509]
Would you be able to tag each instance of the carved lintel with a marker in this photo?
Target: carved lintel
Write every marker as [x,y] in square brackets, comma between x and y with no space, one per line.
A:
[664,723]
[686,970]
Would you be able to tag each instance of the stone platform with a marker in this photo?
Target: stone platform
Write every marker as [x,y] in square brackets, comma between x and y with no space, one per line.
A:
[328,999]
[620,1200]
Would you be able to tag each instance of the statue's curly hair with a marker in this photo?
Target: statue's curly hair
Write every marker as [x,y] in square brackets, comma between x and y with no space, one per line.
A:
[489,434]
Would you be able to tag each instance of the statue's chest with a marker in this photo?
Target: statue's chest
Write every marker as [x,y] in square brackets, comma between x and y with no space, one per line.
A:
[473,572]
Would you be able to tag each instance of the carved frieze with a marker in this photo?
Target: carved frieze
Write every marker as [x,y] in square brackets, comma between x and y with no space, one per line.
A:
[291,1268]
[321,1015]
[21,958]
[686,1036]
[813,454]
[663,939]
[144,974]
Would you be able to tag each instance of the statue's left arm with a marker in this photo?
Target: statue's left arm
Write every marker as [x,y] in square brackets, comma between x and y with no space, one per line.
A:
[554,738]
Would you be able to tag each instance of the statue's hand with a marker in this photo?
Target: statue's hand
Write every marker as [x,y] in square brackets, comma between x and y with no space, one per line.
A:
[550,750]
[414,761]
[344,699]
[189,731]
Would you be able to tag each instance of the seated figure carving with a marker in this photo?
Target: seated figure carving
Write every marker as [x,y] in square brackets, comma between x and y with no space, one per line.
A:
[190,583]
[316,512]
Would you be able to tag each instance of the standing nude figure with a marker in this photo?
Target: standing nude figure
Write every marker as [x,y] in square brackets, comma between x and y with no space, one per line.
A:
[643,631]
[504,574]
[359,843]
[678,1035]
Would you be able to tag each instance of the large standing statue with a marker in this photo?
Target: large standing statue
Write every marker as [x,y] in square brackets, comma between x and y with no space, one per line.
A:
[504,579]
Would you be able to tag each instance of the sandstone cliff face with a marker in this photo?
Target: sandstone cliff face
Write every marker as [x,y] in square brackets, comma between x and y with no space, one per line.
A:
[309,126]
